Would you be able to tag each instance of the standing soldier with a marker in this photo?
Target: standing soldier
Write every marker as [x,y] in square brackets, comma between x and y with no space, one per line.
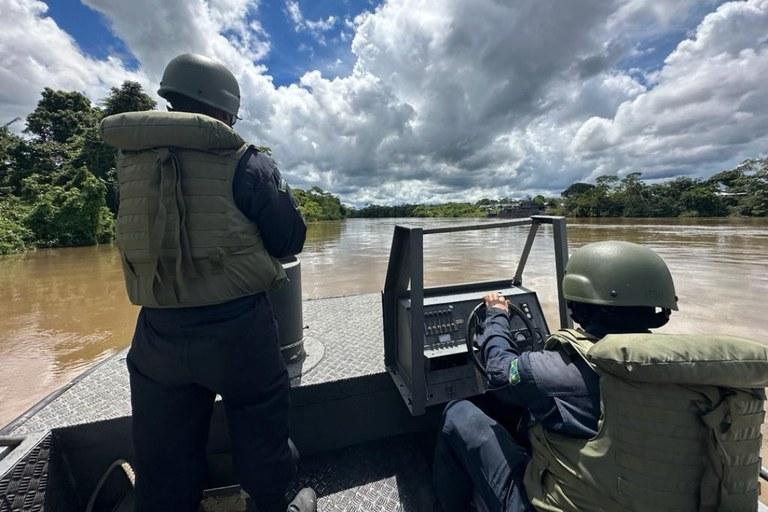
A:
[203,218]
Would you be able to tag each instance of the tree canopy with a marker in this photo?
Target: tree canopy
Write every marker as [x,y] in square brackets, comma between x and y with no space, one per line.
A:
[739,191]
[57,182]
[60,116]
[422,210]
[316,204]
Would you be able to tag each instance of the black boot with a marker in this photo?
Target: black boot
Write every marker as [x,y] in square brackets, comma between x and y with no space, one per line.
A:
[305,501]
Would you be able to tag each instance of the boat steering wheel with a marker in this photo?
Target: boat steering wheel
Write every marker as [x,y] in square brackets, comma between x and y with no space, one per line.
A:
[476,327]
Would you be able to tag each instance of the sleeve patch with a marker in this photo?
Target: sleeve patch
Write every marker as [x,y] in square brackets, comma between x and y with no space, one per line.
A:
[514,372]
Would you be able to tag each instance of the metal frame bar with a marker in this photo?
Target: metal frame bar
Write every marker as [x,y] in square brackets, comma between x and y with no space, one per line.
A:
[8,444]
[419,382]
[518,279]
[477,227]
[560,238]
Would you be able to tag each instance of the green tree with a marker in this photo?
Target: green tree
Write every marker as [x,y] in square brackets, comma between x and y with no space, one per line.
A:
[577,189]
[584,200]
[8,144]
[742,190]
[420,210]
[60,115]
[129,97]
[745,188]
[702,201]
[56,179]
[633,196]
[74,214]
[14,235]
[316,204]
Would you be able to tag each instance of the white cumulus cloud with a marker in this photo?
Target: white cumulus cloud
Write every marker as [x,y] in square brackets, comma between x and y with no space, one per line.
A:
[315,27]
[449,99]
[708,107]
[35,53]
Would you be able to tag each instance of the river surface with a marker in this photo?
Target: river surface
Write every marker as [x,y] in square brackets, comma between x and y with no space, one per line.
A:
[62,310]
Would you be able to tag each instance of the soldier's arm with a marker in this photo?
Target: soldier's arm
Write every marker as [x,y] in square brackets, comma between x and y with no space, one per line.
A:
[263,196]
[560,394]
[498,349]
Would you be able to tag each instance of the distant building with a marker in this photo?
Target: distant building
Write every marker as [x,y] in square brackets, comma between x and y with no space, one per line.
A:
[513,210]
[730,194]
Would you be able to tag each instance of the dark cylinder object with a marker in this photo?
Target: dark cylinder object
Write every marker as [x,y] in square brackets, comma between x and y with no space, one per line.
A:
[286,303]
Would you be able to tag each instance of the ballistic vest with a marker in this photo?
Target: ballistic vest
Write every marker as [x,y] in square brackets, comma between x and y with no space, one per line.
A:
[182,239]
[679,430]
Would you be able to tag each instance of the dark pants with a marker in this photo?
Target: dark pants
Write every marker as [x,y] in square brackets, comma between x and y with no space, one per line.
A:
[477,457]
[180,359]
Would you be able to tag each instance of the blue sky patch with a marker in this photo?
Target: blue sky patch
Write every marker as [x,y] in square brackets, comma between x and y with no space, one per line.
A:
[650,54]
[295,48]
[90,30]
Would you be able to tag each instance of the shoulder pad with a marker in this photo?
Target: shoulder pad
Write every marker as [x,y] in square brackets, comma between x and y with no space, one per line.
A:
[136,131]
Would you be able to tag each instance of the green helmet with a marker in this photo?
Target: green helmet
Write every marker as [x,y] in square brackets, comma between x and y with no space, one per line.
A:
[201,79]
[619,274]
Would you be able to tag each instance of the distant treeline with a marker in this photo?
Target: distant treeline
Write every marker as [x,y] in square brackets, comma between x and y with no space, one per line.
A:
[420,210]
[740,191]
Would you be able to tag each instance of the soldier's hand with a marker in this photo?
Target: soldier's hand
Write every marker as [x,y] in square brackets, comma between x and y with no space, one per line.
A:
[496,300]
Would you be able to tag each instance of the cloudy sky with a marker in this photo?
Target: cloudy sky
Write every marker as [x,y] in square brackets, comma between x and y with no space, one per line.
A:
[433,100]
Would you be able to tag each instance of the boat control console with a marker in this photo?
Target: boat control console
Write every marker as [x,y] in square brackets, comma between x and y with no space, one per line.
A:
[446,323]
[429,333]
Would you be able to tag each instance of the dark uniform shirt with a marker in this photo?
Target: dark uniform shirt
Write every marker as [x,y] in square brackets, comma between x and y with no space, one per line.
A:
[263,196]
[558,390]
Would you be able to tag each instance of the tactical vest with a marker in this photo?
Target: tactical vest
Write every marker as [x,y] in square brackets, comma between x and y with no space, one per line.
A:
[182,239]
[679,430]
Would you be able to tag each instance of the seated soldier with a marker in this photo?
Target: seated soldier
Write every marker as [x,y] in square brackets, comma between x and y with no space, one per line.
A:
[567,462]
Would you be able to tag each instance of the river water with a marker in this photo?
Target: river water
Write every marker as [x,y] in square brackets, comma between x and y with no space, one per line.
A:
[62,310]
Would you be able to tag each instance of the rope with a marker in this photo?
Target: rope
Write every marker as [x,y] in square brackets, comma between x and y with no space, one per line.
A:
[116,464]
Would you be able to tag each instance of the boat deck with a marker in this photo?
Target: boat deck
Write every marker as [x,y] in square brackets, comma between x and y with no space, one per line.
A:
[345,355]
[343,377]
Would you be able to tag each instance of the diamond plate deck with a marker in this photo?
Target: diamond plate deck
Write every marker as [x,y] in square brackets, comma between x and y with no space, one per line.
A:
[386,476]
[391,475]
[337,323]
[23,487]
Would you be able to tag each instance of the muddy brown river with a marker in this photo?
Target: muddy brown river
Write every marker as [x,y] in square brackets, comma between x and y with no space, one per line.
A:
[63,310]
